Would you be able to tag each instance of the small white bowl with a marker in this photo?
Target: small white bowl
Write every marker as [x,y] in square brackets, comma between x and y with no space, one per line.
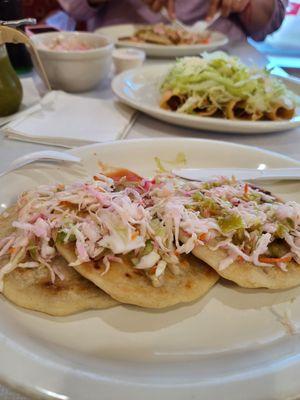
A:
[75,70]
[127,58]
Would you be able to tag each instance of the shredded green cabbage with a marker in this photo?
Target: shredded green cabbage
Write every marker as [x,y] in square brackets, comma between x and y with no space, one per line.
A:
[219,79]
[61,236]
[230,223]
[148,248]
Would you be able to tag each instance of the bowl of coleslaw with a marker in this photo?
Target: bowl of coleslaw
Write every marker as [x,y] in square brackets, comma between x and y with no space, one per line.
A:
[74,61]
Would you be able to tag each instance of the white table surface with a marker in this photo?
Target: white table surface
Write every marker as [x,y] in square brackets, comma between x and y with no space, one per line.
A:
[287,143]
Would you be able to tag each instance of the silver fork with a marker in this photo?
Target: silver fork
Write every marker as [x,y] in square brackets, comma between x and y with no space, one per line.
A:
[202,26]
[46,155]
[199,26]
[175,22]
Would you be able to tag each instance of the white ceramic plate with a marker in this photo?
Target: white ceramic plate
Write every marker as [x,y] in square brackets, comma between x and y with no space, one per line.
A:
[217,40]
[139,88]
[227,344]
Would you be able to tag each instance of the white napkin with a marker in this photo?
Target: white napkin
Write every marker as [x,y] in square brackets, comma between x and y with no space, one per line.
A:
[67,120]
[30,97]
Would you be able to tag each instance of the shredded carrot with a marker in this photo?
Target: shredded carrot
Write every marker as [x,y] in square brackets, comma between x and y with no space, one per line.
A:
[202,237]
[246,188]
[239,259]
[12,250]
[176,253]
[134,235]
[271,260]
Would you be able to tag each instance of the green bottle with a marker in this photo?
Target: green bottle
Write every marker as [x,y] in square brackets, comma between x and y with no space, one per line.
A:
[11,92]
[17,53]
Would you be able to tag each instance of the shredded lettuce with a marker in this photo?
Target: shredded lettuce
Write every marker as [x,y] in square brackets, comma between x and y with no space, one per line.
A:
[178,162]
[159,166]
[219,79]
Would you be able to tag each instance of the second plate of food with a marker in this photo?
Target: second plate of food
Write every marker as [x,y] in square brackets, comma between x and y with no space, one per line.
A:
[162,41]
[216,93]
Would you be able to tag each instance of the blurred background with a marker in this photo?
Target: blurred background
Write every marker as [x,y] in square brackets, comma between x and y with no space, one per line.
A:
[282,48]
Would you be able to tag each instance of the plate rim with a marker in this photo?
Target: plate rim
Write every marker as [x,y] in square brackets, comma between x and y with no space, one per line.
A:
[37,391]
[151,48]
[75,150]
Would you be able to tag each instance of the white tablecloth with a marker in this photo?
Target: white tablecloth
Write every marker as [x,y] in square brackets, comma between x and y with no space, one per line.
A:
[287,143]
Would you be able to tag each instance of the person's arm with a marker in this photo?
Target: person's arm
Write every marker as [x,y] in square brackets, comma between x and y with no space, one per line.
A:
[262,17]
[81,10]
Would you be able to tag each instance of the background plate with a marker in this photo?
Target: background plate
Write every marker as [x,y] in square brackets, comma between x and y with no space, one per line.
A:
[229,343]
[139,88]
[218,39]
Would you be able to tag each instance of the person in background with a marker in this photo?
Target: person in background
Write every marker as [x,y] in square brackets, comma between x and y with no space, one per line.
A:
[240,18]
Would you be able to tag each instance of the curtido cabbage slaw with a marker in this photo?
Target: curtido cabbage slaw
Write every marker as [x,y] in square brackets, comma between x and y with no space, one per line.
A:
[219,79]
[142,220]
